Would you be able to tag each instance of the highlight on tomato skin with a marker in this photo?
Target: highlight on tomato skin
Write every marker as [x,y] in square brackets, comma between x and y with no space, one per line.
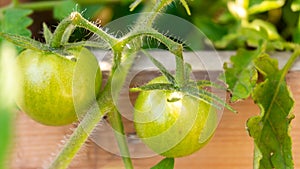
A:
[52,86]
[175,128]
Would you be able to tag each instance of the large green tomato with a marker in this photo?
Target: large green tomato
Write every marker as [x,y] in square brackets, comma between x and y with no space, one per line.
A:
[57,89]
[173,124]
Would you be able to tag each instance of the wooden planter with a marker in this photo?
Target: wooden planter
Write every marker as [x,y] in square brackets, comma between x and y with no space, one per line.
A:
[230,148]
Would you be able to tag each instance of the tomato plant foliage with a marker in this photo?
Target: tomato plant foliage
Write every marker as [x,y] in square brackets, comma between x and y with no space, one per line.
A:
[16,21]
[270,129]
[7,96]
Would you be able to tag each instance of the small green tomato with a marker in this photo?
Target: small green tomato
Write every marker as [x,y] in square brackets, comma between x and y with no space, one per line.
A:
[173,124]
[56,89]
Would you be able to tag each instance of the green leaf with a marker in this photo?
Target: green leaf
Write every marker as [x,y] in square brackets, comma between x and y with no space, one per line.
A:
[15,21]
[295,5]
[265,6]
[63,9]
[241,77]
[253,37]
[270,28]
[270,129]
[167,163]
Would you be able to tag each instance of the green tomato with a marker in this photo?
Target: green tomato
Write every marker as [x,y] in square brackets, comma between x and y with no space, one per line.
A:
[55,89]
[173,124]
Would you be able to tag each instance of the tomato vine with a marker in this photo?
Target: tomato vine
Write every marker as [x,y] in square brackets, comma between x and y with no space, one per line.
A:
[255,37]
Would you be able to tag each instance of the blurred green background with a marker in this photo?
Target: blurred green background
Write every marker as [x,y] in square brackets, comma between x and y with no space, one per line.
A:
[213,18]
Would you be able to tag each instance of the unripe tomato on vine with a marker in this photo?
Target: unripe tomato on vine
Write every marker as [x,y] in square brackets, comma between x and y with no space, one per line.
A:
[56,88]
[172,123]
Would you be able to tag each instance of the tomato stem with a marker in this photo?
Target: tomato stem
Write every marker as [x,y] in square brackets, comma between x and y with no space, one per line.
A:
[79,21]
[291,61]
[56,40]
[148,20]
[83,131]
[68,32]
[116,122]
[180,79]
[119,71]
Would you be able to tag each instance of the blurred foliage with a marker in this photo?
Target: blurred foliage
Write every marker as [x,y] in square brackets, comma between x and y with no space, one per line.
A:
[7,93]
[220,20]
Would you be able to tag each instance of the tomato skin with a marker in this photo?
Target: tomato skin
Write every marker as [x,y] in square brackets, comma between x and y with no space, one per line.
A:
[173,129]
[52,85]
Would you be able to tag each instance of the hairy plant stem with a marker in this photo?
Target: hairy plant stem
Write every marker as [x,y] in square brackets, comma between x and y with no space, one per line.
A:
[106,99]
[119,72]
[180,78]
[115,120]
[56,40]
[173,47]
[79,21]
[291,61]
[83,131]
[67,34]
[150,18]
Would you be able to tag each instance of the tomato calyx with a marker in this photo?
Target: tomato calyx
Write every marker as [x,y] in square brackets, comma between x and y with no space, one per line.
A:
[182,82]
[32,44]
[175,96]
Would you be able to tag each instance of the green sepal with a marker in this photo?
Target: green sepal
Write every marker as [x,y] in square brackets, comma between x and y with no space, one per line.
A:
[161,68]
[24,42]
[207,97]
[154,86]
[47,33]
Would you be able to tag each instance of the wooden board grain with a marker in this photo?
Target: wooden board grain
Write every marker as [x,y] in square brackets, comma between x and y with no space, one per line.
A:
[230,148]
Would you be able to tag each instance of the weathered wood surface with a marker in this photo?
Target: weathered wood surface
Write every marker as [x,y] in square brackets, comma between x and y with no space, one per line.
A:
[230,148]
